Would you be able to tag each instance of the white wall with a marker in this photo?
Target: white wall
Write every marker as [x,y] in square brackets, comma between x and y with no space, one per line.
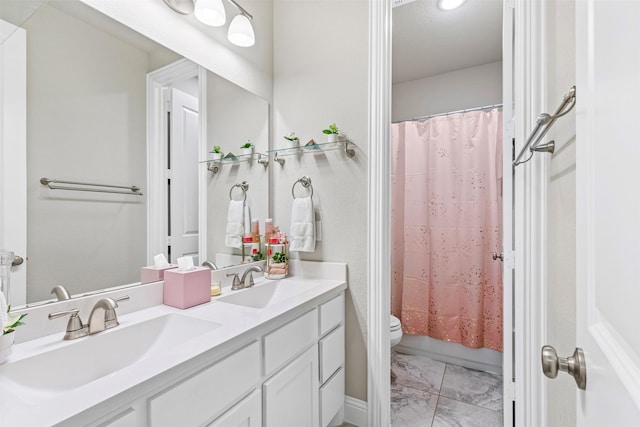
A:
[250,68]
[561,209]
[320,77]
[86,97]
[457,90]
[233,116]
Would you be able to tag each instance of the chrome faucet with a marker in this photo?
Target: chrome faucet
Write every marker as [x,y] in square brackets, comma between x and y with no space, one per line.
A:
[103,315]
[248,272]
[61,292]
[210,264]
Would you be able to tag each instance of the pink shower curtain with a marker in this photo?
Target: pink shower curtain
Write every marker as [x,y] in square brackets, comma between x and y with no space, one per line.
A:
[446,222]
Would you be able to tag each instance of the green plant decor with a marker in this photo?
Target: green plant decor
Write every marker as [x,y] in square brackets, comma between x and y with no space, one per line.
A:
[333,130]
[217,149]
[279,257]
[258,257]
[292,137]
[247,144]
[12,321]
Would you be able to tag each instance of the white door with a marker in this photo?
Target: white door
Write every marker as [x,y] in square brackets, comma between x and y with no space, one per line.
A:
[13,154]
[608,210]
[183,187]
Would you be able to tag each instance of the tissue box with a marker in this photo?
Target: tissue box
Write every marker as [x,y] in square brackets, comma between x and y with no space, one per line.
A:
[154,274]
[184,289]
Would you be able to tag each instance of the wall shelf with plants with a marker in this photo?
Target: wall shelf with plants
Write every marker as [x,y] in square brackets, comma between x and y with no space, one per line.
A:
[217,158]
[335,141]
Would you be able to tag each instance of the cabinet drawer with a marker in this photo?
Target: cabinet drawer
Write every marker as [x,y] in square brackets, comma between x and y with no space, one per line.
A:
[246,413]
[331,314]
[331,397]
[205,394]
[283,344]
[331,350]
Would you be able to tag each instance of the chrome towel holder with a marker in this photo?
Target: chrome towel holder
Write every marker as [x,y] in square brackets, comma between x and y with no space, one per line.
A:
[243,186]
[543,124]
[96,188]
[305,181]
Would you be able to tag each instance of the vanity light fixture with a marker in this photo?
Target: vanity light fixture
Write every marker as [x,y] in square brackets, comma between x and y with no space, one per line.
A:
[212,13]
[450,4]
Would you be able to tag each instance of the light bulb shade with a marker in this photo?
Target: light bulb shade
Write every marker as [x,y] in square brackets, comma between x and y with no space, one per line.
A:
[210,12]
[241,32]
[450,4]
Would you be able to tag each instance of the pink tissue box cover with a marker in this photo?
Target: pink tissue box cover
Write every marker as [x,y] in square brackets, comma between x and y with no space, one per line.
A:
[154,274]
[184,289]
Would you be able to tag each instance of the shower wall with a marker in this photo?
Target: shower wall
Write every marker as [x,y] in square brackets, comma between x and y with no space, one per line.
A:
[460,89]
[457,90]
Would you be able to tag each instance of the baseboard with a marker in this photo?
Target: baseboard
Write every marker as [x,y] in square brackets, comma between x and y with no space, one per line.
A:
[355,411]
[449,358]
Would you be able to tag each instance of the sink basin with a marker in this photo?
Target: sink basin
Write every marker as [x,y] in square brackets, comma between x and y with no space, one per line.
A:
[90,358]
[261,295]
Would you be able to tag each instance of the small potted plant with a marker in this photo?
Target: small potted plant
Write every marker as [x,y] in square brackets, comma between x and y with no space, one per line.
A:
[246,149]
[9,322]
[216,154]
[293,138]
[332,133]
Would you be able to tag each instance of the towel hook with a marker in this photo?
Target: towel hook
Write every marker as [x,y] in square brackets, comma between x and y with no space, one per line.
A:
[243,186]
[306,183]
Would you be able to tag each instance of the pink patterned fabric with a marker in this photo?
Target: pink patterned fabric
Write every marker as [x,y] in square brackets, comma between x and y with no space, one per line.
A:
[446,222]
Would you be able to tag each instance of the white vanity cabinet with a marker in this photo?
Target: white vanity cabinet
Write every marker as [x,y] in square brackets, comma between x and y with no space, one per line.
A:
[289,373]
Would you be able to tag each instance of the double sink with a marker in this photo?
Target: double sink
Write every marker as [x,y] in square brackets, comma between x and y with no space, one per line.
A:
[84,360]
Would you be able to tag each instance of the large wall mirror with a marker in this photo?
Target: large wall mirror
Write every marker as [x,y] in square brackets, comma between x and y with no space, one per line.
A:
[87,122]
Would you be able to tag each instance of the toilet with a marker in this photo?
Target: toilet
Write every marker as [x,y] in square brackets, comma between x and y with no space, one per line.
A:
[395,331]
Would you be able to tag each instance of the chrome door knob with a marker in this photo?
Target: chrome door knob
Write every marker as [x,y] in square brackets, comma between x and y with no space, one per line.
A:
[575,365]
[17,260]
[495,256]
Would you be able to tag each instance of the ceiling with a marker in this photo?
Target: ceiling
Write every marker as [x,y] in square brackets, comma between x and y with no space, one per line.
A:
[428,41]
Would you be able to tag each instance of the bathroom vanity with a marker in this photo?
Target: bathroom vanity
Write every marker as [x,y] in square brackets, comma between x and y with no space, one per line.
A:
[270,355]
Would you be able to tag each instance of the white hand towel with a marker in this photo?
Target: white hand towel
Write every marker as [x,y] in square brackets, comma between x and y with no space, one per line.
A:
[235,224]
[303,226]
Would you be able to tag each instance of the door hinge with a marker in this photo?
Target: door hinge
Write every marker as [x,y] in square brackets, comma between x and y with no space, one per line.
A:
[168,174]
[168,240]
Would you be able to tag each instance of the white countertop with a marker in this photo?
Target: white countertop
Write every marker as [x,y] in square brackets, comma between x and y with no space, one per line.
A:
[24,406]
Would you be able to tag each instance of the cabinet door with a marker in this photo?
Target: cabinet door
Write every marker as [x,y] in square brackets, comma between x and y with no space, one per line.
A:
[247,413]
[291,395]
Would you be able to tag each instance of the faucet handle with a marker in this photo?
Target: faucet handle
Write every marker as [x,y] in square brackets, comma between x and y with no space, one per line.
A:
[237,284]
[75,327]
[110,316]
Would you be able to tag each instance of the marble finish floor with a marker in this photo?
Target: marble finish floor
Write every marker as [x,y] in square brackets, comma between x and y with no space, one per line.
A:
[428,393]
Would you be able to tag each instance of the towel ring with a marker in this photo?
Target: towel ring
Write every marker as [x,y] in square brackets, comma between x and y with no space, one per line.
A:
[306,183]
[243,186]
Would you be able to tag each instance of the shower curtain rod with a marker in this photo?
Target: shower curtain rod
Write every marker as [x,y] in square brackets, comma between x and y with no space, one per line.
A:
[466,110]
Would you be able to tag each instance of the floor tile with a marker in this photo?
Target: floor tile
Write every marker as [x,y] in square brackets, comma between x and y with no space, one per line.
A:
[452,413]
[411,407]
[475,387]
[417,372]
